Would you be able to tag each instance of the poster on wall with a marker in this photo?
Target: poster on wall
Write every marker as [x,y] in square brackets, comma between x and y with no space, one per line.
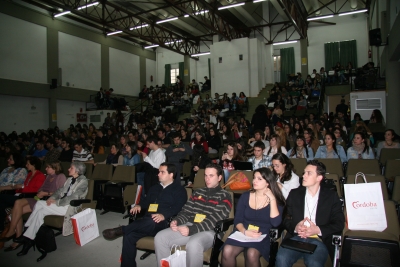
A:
[81,117]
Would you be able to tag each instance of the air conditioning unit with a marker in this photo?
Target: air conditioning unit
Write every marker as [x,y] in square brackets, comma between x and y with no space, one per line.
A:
[368,104]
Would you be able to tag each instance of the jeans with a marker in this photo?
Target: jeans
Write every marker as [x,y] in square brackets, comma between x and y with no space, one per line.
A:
[287,257]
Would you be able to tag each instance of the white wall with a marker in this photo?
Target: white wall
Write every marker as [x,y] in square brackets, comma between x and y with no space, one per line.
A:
[163,57]
[66,112]
[232,75]
[352,27]
[151,71]
[19,116]
[124,72]
[23,50]
[80,61]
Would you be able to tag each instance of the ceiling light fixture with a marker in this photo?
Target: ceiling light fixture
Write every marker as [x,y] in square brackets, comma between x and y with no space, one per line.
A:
[282,43]
[226,7]
[353,12]
[151,46]
[166,20]
[62,14]
[200,54]
[112,33]
[257,1]
[178,41]
[86,6]
[138,27]
[186,16]
[201,12]
[320,17]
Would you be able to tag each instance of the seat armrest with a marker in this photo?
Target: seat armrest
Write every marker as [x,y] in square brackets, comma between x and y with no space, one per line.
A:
[27,195]
[78,202]
[273,234]
[123,184]
[223,225]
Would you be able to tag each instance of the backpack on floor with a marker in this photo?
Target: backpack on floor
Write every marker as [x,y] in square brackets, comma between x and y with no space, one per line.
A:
[45,241]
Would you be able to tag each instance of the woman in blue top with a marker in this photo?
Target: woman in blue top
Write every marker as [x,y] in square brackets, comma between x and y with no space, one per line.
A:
[331,150]
[257,212]
[131,157]
[301,150]
[360,148]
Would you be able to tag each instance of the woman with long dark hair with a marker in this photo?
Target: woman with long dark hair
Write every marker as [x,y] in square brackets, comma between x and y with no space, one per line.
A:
[331,150]
[131,157]
[213,140]
[283,170]
[257,212]
[199,139]
[300,149]
[360,148]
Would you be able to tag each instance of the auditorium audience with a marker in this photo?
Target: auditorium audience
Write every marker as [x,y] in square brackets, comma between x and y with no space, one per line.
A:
[21,183]
[54,180]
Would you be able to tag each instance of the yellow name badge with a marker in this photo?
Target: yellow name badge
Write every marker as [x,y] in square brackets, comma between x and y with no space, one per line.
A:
[253,227]
[153,208]
[199,218]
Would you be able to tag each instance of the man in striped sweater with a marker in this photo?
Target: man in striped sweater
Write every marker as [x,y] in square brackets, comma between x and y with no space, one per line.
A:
[194,225]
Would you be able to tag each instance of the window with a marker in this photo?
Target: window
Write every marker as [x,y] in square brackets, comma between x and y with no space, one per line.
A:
[277,63]
[174,73]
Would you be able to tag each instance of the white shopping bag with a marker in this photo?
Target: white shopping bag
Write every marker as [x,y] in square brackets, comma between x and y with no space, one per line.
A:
[177,259]
[364,206]
[85,226]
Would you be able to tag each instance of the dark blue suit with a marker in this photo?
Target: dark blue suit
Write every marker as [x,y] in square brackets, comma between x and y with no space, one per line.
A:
[170,201]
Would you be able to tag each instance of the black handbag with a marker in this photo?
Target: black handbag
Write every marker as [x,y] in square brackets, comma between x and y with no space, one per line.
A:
[45,241]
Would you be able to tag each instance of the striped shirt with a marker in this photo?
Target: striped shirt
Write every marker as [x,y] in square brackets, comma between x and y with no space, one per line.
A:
[214,203]
[83,156]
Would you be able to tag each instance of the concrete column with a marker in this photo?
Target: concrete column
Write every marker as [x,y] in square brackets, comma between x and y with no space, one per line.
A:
[186,74]
[304,57]
[269,49]
[105,67]
[143,74]
[52,72]
[393,95]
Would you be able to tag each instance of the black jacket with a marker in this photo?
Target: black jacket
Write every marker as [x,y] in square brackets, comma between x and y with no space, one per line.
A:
[170,200]
[329,217]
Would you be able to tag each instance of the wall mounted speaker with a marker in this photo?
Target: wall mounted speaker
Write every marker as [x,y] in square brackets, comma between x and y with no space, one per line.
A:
[375,37]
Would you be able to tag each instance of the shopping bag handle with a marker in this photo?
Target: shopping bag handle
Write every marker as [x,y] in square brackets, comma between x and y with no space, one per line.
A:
[174,247]
[362,175]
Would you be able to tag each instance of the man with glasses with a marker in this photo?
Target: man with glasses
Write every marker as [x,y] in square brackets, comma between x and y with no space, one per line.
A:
[81,154]
[314,214]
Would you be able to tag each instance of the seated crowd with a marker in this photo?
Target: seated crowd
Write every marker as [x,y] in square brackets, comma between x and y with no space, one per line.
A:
[211,141]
